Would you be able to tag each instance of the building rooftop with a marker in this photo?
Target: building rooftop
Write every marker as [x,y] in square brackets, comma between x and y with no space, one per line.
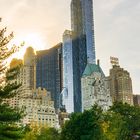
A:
[47,51]
[90,68]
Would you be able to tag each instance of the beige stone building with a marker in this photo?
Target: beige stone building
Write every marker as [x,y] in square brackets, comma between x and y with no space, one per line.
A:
[26,76]
[37,103]
[29,69]
[120,85]
[63,117]
[95,88]
[136,99]
[39,109]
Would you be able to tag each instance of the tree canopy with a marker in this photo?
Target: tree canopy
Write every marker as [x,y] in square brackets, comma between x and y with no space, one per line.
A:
[84,126]
[121,122]
[130,116]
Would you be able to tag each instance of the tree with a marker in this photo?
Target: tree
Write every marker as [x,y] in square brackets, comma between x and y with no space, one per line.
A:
[43,133]
[32,132]
[122,122]
[114,127]
[48,134]
[84,126]
[131,117]
[9,130]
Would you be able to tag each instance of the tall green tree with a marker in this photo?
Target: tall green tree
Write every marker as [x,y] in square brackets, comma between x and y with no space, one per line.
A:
[44,133]
[114,127]
[48,134]
[8,116]
[131,117]
[84,126]
[122,122]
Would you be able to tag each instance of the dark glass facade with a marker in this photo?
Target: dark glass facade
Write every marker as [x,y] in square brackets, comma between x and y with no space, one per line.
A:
[48,71]
[79,64]
[88,29]
[82,43]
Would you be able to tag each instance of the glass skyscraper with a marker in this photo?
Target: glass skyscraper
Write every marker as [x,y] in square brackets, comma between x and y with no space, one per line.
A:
[48,71]
[88,29]
[82,25]
[68,97]
[83,45]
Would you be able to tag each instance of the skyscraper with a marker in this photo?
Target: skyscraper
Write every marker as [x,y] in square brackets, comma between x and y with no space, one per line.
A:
[120,85]
[88,29]
[68,97]
[48,71]
[29,68]
[83,26]
[82,43]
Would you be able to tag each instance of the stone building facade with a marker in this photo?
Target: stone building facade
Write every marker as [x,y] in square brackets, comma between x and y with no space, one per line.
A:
[136,99]
[120,85]
[39,109]
[95,88]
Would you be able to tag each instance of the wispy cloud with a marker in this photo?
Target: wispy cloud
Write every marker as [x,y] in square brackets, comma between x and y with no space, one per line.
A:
[48,17]
[117,27]
[117,34]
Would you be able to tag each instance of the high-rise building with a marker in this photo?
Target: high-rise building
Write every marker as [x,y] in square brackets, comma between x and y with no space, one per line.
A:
[36,102]
[29,69]
[26,76]
[83,26]
[136,99]
[83,46]
[68,97]
[95,88]
[39,109]
[48,71]
[120,85]
[88,29]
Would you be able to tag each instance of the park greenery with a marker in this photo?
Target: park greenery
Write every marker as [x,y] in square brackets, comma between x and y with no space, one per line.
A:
[120,122]
[9,117]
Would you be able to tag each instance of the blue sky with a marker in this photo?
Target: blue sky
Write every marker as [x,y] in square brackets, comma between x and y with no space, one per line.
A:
[117,28]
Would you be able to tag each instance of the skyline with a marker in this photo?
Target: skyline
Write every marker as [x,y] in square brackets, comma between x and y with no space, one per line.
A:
[116,28]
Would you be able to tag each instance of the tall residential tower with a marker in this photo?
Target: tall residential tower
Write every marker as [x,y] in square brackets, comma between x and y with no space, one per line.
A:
[120,84]
[88,29]
[67,92]
[83,26]
[48,71]
[83,45]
